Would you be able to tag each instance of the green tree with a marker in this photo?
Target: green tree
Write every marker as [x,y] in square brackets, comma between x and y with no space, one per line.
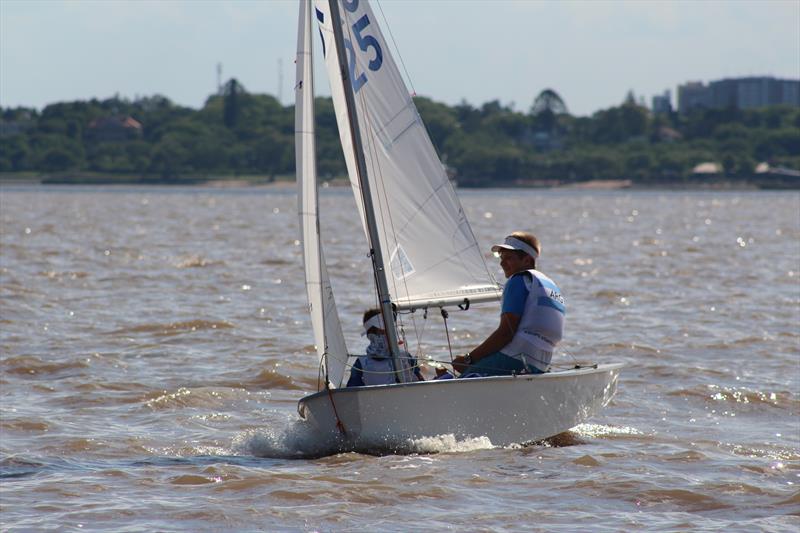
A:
[58,159]
[233,94]
[439,119]
[15,154]
[168,159]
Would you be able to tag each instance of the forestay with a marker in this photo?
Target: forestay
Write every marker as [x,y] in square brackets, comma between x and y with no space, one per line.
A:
[328,335]
[433,256]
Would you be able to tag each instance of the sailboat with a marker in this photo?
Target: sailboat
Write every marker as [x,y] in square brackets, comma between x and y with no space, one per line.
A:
[424,255]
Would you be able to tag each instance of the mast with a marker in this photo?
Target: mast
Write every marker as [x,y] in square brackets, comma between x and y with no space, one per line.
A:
[369,210]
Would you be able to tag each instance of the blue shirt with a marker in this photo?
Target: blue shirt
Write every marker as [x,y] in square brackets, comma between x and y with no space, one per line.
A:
[514,294]
[356,375]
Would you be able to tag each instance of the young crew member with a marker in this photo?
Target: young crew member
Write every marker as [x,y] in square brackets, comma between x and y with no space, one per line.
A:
[375,368]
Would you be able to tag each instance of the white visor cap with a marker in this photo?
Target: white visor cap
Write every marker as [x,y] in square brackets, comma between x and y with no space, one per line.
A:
[373,322]
[512,243]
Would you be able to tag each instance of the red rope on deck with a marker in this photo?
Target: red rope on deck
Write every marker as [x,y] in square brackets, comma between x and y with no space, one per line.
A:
[339,424]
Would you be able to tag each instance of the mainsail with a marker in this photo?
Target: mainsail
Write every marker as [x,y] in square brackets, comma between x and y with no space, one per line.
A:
[431,254]
[328,336]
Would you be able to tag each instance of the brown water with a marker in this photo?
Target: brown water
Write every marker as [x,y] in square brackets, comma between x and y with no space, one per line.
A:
[154,343]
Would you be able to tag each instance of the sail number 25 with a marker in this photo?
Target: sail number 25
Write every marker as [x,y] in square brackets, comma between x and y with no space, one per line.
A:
[365,42]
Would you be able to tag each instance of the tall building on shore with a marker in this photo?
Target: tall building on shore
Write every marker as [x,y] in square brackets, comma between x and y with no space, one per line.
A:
[692,95]
[662,103]
[738,93]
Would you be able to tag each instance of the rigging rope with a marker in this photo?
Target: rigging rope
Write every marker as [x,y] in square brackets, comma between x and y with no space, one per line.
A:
[445,315]
[339,424]
[397,49]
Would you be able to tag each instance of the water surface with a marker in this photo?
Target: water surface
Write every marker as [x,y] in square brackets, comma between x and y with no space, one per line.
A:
[154,342]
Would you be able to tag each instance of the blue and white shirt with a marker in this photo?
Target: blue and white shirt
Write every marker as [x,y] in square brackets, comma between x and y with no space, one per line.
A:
[539,303]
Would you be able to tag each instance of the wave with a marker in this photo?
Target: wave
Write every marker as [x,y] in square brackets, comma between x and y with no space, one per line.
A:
[60,276]
[15,466]
[627,347]
[689,500]
[272,379]
[30,365]
[736,343]
[195,261]
[72,446]
[21,425]
[192,479]
[740,396]
[647,495]
[173,328]
[777,454]
[106,394]
[687,456]
[793,500]
[207,397]
[275,261]
[586,460]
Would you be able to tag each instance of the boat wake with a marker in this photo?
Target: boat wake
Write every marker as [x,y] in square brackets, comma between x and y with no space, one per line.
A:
[297,441]
[601,430]
[448,443]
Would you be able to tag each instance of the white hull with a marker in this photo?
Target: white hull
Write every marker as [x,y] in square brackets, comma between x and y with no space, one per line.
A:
[513,409]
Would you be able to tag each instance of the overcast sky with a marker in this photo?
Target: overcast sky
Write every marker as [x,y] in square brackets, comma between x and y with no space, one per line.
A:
[591,53]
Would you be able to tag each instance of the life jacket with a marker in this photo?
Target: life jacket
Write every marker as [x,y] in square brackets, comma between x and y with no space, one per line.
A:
[376,371]
[541,326]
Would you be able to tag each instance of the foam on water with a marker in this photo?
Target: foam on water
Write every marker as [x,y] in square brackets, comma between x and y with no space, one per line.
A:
[296,440]
[600,430]
[299,440]
[448,443]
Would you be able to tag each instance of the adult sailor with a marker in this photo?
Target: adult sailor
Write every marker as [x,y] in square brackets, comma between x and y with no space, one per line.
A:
[531,316]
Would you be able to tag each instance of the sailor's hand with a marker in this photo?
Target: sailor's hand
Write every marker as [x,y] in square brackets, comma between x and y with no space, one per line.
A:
[461,362]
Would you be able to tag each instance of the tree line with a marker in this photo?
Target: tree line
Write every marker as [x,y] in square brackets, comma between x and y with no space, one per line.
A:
[237,133]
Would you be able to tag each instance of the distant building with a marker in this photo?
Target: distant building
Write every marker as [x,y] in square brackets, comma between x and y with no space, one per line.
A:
[111,129]
[668,135]
[708,168]
[662,103]
[692,95]
[738,93]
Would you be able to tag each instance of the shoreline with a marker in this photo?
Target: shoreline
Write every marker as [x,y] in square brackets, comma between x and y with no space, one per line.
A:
[287,182]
